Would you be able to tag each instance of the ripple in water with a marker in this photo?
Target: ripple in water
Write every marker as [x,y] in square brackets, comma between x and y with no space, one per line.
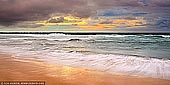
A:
[108,53]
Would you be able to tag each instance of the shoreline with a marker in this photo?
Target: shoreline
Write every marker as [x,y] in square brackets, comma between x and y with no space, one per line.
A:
[84,32]
[12,69]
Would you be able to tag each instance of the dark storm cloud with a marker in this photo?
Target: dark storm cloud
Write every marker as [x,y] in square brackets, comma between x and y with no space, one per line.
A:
[110,3]
[12,11]
[22,10]
[160,3]
[156,3]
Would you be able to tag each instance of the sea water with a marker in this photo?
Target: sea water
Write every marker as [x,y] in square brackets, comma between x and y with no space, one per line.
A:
[135,55]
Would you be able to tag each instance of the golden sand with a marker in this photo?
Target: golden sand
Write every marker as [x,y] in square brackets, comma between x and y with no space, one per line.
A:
[13,69]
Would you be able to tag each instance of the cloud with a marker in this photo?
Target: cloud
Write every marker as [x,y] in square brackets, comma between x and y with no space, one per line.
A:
[23,10]
[160,3]
[110,3]
[12,11]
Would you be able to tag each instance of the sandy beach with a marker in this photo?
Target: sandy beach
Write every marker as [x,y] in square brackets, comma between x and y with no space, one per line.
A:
[13,69]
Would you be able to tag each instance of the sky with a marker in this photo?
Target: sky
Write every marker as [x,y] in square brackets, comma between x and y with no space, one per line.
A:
[96,15]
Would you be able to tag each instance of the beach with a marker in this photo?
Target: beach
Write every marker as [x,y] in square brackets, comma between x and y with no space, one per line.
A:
[84,42]
[16,69]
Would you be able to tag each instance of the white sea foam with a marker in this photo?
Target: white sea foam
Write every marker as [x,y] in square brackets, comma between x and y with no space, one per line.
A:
[20,46]
[65,35]
[166,36]
[122,64]
[62,37]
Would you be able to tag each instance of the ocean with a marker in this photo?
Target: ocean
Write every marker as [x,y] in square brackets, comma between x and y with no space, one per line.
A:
[143,55]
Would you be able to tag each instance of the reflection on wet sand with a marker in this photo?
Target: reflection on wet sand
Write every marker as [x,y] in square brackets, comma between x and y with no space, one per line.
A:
[14,69]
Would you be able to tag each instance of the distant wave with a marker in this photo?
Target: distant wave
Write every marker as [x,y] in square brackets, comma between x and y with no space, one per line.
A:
[120,64]
[92,33]
[61,37]
[166,36]
[105,34]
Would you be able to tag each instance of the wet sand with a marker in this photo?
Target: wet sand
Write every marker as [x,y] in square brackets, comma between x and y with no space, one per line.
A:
[13,69]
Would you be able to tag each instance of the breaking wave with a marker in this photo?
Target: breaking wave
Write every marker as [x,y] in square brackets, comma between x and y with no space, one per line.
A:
[112,63]
[108,53]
